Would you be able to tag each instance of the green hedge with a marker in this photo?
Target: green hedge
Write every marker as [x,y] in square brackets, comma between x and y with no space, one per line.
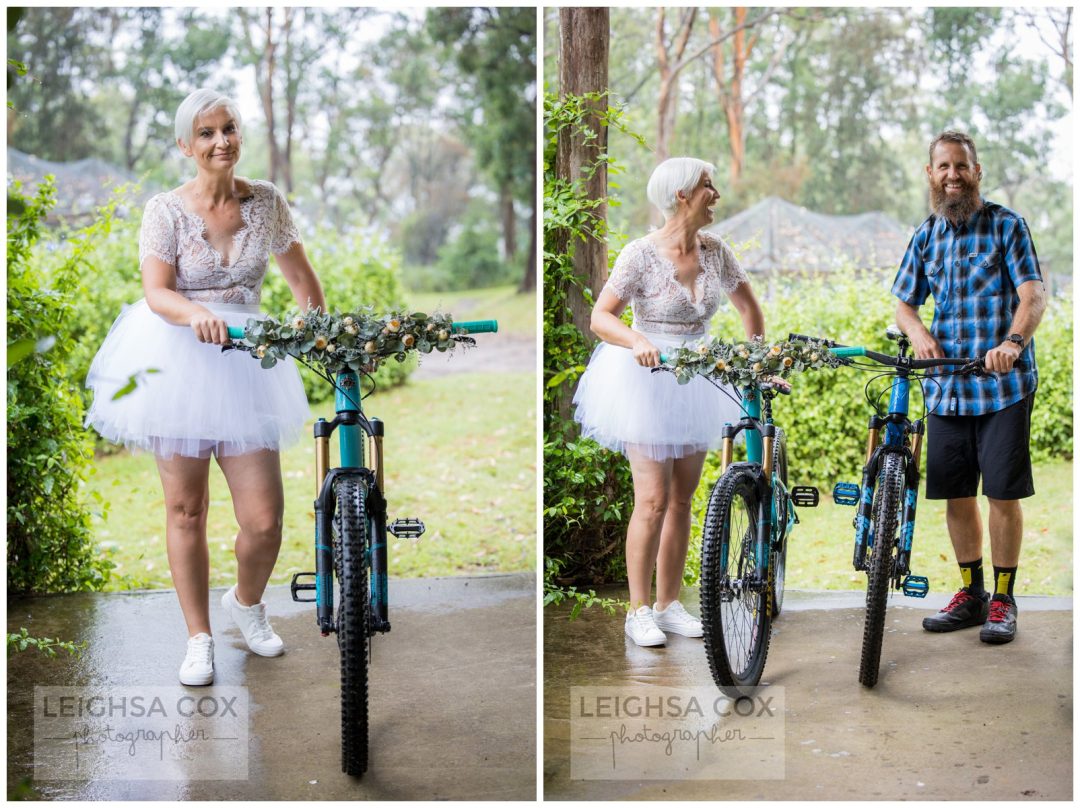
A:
[354,269]
[50,546]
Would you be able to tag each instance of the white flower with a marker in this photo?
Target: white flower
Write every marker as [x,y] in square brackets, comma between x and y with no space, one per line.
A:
[298,323]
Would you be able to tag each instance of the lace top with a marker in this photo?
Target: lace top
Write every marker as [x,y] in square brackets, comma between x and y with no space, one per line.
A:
[178,237]
[662,305]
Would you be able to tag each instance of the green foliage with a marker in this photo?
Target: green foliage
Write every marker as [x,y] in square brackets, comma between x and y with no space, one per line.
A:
[749,362]
[50,544]
[1051,420]
[588,491]
[22,640]
[554,595]
[352,341]
[469,261]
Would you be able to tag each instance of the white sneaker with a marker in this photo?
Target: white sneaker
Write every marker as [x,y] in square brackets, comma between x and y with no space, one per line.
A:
[198,666]
[252,622]
[678,621]
[641,628]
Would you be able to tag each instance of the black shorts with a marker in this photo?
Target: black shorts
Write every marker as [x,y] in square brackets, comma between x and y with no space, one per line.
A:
[960,448]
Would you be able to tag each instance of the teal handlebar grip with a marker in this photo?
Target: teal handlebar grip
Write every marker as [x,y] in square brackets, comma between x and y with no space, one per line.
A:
[846,351]
[476,327]
[235,332]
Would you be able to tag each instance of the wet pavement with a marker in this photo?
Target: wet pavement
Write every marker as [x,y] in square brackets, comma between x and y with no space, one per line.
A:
[452,698]
[950,718]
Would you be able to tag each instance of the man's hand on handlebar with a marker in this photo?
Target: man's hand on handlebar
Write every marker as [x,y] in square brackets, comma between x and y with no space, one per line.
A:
[1002,358]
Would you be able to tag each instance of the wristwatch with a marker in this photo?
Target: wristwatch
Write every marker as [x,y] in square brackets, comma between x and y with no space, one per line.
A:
[1018,339]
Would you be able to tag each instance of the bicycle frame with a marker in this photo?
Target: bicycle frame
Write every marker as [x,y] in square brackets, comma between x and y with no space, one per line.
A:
[353,429]
[898,426]
[760,435]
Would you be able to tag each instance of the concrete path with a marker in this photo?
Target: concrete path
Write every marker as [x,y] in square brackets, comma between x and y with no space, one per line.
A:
[452,699]
[951,717]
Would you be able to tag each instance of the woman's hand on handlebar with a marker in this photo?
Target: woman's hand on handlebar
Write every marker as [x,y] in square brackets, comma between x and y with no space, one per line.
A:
[645,353]
[209,328]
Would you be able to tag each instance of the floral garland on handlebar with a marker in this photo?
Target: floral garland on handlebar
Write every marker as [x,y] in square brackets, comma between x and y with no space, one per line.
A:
[749,362]
[358,340]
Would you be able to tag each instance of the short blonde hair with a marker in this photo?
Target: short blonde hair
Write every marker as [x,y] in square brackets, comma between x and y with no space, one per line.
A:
[673,175]
[200,102]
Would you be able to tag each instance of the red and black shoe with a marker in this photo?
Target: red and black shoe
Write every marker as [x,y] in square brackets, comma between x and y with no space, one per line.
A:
[1000,627]
[965,610]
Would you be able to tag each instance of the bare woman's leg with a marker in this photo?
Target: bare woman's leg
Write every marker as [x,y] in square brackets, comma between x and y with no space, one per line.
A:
[675,534]
[259,504]
[651,482]
[185,482]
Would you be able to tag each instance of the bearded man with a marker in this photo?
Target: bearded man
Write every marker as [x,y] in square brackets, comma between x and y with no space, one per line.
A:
[977,261]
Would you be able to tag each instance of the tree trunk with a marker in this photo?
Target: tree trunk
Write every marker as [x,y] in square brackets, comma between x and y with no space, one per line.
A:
[731,90]
[528,283]
[669,64]
[509,220]
[291,86]
[265,84]
[583,69]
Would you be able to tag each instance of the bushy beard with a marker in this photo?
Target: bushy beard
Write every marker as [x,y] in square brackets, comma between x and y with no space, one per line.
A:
[957,209]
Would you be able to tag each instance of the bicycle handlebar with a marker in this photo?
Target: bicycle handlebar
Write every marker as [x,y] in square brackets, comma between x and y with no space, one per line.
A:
[466,327]
[848,351]
[476,327]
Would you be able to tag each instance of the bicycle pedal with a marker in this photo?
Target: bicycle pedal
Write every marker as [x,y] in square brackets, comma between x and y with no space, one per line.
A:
[845,494]
[805,496]
[915,586]
[295,587]
[406,528]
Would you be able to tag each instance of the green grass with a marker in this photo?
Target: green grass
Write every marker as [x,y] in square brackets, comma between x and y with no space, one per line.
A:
[460,455]
[515,312]
[819,555]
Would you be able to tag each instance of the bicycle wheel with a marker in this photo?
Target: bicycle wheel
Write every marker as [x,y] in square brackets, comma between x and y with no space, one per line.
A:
[885,518]
[778,556]
[734,606]
[350,567]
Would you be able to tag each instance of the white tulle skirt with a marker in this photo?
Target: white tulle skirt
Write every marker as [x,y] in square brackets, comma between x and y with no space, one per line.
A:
[627,408]
[200,401]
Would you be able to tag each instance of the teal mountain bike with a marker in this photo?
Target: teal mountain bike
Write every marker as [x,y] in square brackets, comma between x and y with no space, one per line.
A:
[748,522]
[350,544]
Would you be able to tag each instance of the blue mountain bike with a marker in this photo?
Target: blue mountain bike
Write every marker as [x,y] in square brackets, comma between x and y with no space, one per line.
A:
[887,495]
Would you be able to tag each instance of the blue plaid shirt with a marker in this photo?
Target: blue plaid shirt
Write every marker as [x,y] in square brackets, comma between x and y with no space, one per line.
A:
[972,271]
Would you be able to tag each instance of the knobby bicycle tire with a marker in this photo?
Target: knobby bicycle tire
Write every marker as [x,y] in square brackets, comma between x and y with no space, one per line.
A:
[778,560]
[353,616]
[735,618]
[885,515]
